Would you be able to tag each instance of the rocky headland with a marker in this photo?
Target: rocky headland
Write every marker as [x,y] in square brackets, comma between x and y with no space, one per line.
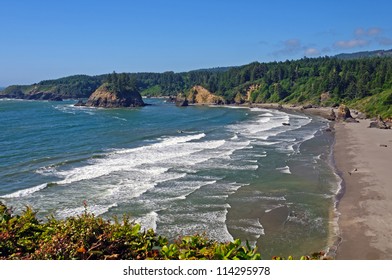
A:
[200,95]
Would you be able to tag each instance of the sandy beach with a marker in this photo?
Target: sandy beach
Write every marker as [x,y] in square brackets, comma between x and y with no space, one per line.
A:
[363,156]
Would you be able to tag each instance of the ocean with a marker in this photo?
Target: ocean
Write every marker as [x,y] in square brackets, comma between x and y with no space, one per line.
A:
[228,172]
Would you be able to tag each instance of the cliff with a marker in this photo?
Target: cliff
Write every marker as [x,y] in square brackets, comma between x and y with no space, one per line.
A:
[200,95]
[108,97]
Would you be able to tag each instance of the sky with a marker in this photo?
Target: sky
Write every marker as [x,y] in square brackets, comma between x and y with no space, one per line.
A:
[41,40]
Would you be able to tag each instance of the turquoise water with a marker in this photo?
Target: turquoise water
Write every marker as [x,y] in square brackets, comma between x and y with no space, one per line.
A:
[228,172]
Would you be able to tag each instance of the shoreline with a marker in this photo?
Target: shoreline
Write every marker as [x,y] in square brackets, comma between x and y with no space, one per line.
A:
[366,206]
[360,157]
[333,239]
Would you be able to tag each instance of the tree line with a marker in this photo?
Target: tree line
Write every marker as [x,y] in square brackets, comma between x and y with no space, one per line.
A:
[296,81]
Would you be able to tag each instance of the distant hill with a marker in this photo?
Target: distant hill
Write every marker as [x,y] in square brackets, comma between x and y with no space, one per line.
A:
[214,69]
[1,88]
[365,54]
[362,80]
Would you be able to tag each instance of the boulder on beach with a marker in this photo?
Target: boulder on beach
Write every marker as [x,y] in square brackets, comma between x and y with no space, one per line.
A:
[379,123]
[344,114]
[331,116]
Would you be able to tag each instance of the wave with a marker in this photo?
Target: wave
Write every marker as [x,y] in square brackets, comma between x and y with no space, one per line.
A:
[250,227]
[94,209]
[137,158]
[71,109]
[148,221]
[284,170]
[25,192]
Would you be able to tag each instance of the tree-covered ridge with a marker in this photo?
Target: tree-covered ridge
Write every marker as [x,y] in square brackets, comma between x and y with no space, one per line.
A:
[320,81]
[77,86]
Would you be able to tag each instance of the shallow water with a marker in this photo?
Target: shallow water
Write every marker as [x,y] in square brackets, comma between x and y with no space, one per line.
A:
[228,172]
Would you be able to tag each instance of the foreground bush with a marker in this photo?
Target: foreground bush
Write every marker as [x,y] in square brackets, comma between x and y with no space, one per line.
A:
[88,237]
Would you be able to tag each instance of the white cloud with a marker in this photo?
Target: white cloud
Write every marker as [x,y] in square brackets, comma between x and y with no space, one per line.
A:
[288,47]
[359,31]
[384,41]
[351,44]
[373,31]
[311,52]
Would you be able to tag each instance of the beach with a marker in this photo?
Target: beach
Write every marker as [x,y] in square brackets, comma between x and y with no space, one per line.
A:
[363,157]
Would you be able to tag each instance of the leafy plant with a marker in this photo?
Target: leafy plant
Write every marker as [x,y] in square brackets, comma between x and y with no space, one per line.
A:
[87,237]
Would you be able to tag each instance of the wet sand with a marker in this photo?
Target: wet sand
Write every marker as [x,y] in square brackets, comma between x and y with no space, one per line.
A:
[363,158]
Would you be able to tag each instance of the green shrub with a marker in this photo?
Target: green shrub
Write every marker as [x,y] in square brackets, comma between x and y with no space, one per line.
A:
[87,237]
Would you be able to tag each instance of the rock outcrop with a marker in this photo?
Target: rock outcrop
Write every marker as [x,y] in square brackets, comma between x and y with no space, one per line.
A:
[181,100]
[106,97]
[331,116]
[80,103]
[379,123]
[200,95]
[344,114]
[41,95]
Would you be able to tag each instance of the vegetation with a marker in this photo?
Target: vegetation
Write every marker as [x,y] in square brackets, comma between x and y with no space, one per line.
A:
[87,237]
[357,82]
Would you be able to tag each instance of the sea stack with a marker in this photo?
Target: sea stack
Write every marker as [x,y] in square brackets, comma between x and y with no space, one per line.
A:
[109,96]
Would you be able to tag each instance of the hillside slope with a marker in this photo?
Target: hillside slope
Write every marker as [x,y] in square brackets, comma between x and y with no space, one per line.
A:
[320,81]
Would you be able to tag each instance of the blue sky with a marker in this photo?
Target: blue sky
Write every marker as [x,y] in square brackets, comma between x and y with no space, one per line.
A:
[50,39]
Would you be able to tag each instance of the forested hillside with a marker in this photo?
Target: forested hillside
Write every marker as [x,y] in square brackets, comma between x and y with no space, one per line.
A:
[365,83]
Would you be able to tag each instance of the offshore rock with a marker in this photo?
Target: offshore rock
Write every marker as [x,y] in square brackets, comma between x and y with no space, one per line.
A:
[107,97]
[80,103]
[181,100]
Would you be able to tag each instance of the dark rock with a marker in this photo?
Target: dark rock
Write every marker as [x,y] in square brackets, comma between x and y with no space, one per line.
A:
[182,102]
[331,116]
[171,99]
[379,123]
[308,106]
[56,98]
[286,124]
[42,95]
[80,103]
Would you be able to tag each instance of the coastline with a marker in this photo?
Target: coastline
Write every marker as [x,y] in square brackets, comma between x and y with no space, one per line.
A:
[361,157]
[366,206]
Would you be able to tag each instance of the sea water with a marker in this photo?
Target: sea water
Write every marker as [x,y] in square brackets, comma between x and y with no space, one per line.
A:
[226,172]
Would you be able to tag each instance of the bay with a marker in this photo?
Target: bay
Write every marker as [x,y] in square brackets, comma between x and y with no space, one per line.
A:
[226,172]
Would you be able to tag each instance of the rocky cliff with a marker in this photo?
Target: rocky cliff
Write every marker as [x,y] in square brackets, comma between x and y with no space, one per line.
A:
[200,95]
[106,97]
